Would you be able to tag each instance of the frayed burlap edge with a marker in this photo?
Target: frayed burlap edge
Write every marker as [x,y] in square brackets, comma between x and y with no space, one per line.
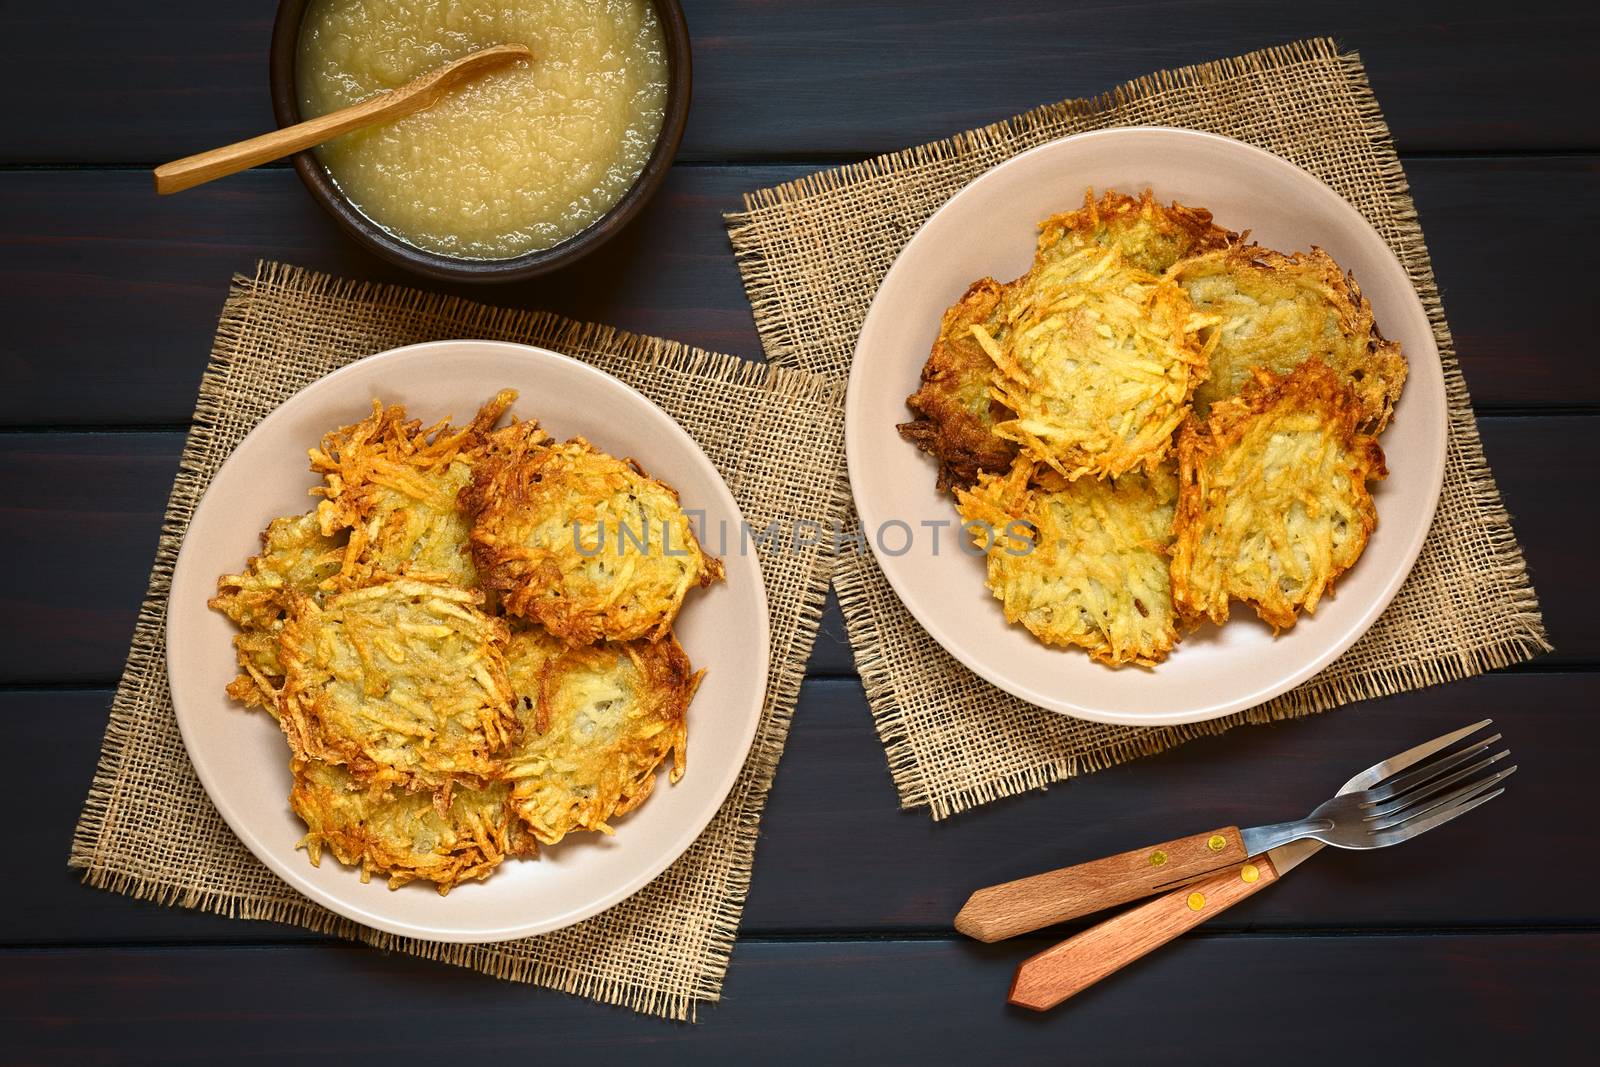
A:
[855,570]
[145,664]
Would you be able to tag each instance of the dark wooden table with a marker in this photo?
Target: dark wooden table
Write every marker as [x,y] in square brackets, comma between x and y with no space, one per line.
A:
[1476,945]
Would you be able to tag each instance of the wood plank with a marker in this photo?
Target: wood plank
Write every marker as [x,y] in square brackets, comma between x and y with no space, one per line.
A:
[81,516]
[85,510]
[112,295]
[832,819]
[1482,216]
[837,855]
[821,80]
[1517,998]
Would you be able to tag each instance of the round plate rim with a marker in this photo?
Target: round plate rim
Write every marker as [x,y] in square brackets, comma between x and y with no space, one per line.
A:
[856,416]
[282,864]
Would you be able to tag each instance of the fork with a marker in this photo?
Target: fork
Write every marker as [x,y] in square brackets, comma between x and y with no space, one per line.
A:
[1428,793]
[1397,810]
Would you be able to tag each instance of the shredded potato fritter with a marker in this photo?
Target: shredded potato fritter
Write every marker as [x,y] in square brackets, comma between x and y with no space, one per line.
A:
[582,542]
[427,742]
[955,413]
[1080,563]
[393,485]
[1277,311]
[955,407]
[596,723]
[1145,234]
[403,682]
[1099,364]
[1158,418]
[296,557]
[405,835]
[1272,497]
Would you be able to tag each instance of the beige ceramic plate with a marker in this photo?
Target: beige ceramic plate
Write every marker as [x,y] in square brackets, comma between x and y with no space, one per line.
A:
[241,756]
[988,229]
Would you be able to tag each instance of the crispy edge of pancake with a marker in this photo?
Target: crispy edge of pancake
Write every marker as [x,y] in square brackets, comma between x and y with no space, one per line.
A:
[530,502]
[558,785]
[1085,330]
[295,555]
[1111,523]
[1176,230]
[379,829]
[393,484]
[1202,544]
[955,421]
[955,415]
[388,641]
[1376,367]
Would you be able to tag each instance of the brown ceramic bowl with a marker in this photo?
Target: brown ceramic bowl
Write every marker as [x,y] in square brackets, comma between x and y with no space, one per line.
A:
[286,108]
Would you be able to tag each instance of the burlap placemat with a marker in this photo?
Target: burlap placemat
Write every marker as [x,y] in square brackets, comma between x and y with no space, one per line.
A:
[148,829]
[813,252]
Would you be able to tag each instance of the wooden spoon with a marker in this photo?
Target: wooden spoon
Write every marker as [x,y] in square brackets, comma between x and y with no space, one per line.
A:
[416,95]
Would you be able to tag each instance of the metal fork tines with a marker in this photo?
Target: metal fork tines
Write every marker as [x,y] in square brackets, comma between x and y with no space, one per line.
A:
[1400,806]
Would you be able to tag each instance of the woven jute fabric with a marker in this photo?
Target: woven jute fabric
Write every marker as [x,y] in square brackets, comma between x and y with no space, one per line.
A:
[147,828]
[812,253]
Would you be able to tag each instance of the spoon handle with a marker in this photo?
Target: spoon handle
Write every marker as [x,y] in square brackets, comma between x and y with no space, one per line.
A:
[411,97]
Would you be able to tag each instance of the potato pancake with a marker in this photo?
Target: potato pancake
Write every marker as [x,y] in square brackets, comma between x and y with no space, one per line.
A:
[955,414]
[394,484]
[407,836]
[1080,562]
[1278,311]
[1099,364]
[1149,236]
[295,555]
[1272,496]
[956,411]
[596,723]
[403,683]
[580,541]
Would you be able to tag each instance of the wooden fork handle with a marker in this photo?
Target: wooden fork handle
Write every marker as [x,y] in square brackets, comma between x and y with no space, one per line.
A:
[1013,908]
[1045,980]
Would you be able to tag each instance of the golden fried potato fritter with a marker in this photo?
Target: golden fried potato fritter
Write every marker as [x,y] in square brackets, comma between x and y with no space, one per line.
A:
[1148,236]
[1099,364]
[1272,499]
[442,839]
[296,557]
[583,542]
[1155,420]
[596,723]
[1080,562]
[955,408]
[375,630]
[394,484]
[1277,311]
[955,413]
[402,682]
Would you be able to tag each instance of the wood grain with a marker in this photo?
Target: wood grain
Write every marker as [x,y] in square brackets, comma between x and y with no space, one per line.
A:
[1067,969]
[836,77]
[111,298]
[1508,998]
[114,293]
[1023,905]
[837,856]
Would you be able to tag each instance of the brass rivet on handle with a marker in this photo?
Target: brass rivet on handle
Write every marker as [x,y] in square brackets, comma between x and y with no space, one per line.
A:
[1217,843]
[1249,872]
[1196,901]
[1157,858]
